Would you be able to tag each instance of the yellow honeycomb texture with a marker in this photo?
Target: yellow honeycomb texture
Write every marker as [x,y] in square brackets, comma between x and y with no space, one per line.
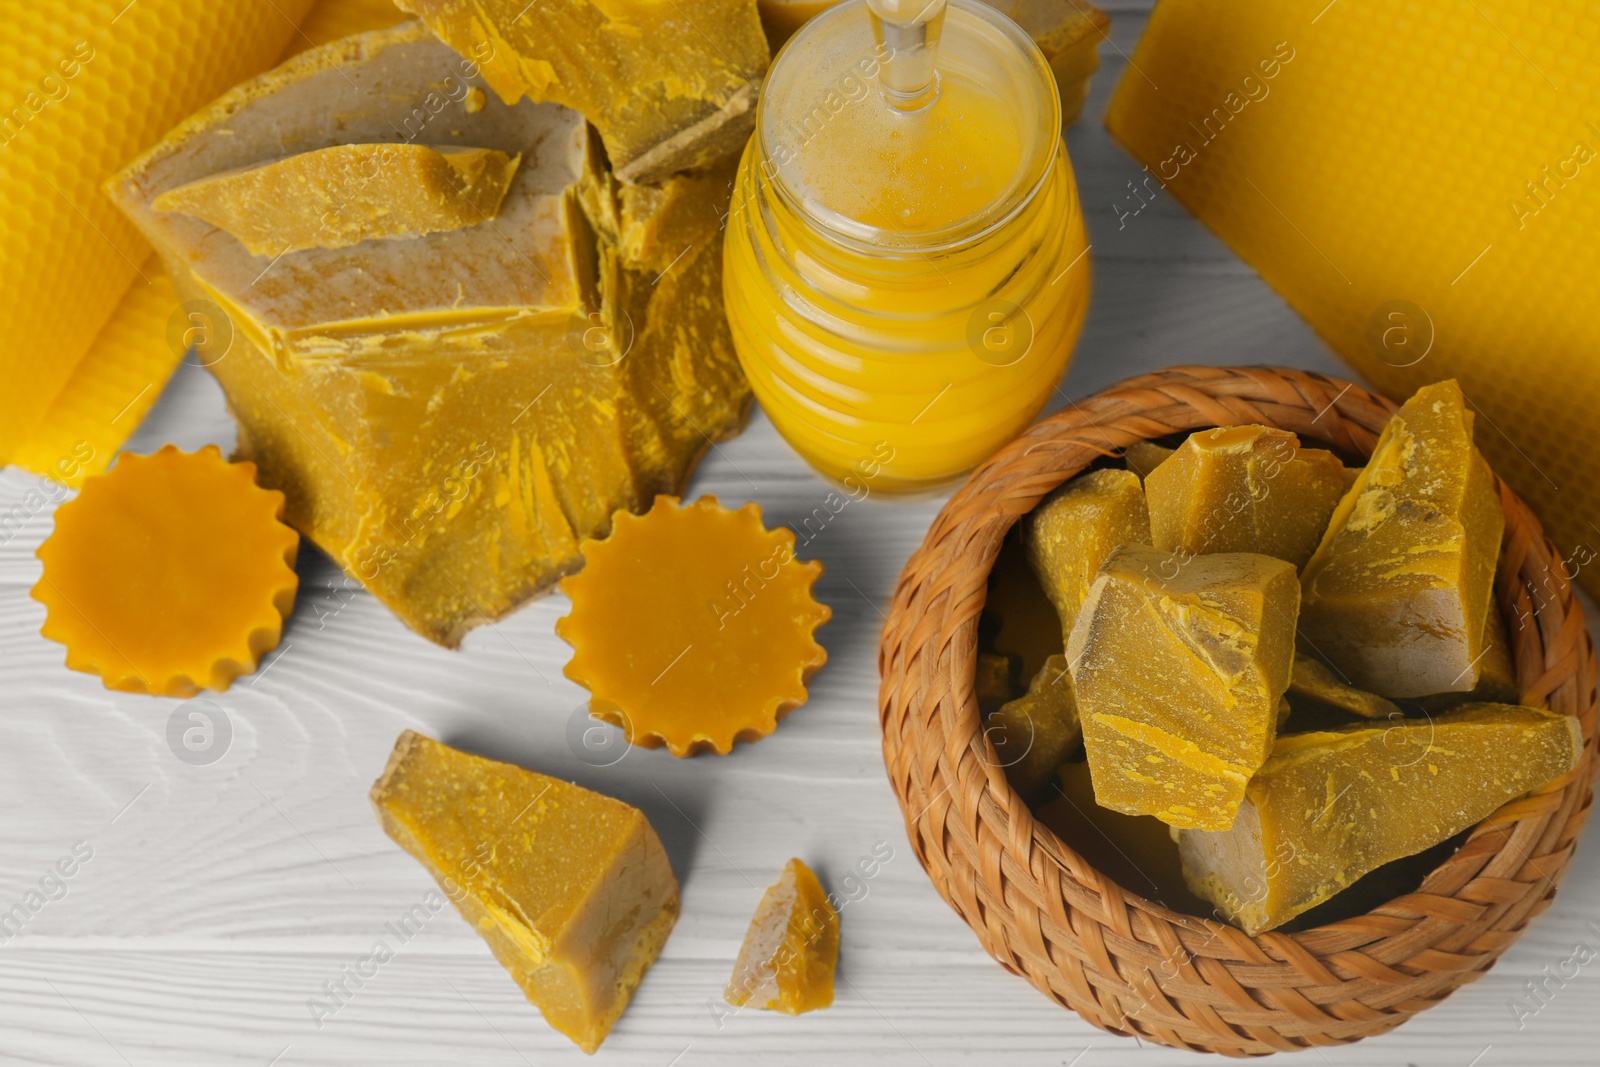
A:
[1420,179]
[84,86]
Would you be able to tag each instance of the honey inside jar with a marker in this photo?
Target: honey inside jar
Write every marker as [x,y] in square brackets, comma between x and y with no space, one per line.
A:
[905,263]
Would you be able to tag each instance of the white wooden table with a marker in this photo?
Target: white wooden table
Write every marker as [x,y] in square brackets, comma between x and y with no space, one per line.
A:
[220,898]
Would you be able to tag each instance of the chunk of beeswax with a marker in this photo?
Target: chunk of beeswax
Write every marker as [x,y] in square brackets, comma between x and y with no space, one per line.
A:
[692,627]
[992,680]
[1034,734]
[669,86]
[1135,851]
[169,573]
[1243,489]
[571,889]
[1179,666]
[1313,681]
[449,415]
[1073,530]
[1397,592]
[344,194]
[1143,457]
[1330,806]
[791,949]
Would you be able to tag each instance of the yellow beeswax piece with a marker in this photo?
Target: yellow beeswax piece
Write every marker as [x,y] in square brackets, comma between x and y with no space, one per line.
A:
[789,953]
[1074,529]
[571,889]
[693,626]
[669,86]
[1179,666]
[1034,734]
[1068,32]
[1330,806]
[344,194]
[992,680]
[1135,851]
[1312,681]
[1397,592]
[1293,135]
[443,412]
[1143,457]
[169,574]
[1025,623]
[83,87]
[1243,489]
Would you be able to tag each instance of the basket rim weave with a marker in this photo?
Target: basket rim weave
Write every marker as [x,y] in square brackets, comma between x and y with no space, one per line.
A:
[1129,965]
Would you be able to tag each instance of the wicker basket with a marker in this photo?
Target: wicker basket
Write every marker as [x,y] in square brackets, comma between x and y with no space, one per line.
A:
[1126,964]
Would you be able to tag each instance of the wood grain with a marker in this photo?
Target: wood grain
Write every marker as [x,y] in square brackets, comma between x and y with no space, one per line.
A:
[224,896]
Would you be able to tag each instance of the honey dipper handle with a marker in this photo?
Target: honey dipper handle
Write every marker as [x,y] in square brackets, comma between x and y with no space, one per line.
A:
[908,33]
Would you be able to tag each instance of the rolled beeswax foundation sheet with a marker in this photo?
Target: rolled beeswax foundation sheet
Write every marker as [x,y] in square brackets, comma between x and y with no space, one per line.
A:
[84,86]
[1421,181]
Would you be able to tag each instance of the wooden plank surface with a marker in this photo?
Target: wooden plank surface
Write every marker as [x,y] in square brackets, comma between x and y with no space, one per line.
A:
[218,900]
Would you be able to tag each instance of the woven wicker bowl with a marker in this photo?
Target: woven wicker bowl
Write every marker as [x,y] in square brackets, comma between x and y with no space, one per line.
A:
[1126,964]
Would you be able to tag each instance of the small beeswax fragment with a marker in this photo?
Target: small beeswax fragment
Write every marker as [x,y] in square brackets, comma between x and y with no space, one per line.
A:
[1398,591]
[1135,851]
[669,87]
[1179,667]
[791,949]
[1313,681]
[1330,806]
[1143,457]
[342,195]
[1068,32]
[1034,734]
[1073,530]
[1244,489]
[1028,627]
[571,889]
[169,574]
[992,680]
[692,627]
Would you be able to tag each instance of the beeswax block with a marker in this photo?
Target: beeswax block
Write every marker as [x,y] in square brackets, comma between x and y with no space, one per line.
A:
[1397,592]
[1074,529]
[330,20]
[344,194]
[1243,489]
[450,414]
[670,86]
[1312,681]
[1068,32]
[992,680]
[1292,131]
[572,890]
[1143,457]
[1034,734]
[693,627]
[79,95]
[1179,668]
[787,961]
[168,574]
[1135,851]
[1027,626]
[1330,806]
